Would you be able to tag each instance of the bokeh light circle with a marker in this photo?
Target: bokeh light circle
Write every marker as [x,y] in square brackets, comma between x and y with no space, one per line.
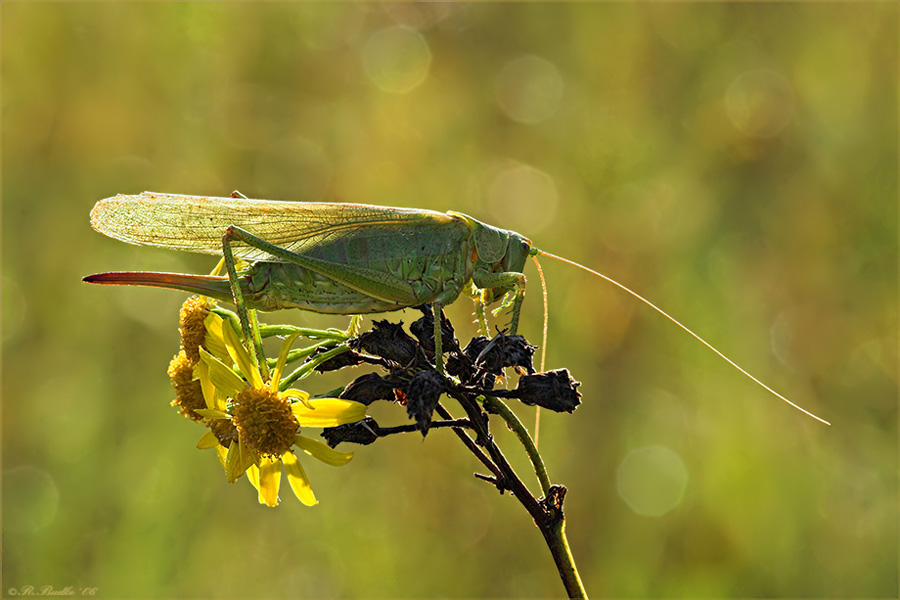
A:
[30,501]
[651,480]
[396,59]
[523,199]
[529,89]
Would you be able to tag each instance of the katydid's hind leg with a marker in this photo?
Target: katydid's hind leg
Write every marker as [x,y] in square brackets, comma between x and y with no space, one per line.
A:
[371,282]
[438,338]
[246,329]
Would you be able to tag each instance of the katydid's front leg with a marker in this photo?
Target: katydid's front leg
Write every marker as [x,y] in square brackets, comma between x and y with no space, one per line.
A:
[486,279]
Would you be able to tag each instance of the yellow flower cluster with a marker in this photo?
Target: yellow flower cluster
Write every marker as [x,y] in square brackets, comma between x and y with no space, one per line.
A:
[253,425]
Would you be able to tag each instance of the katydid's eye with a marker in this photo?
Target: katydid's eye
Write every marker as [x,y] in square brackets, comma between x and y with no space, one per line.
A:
[526,247]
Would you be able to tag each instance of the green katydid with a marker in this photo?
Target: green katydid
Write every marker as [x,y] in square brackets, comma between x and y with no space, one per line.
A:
[333,257]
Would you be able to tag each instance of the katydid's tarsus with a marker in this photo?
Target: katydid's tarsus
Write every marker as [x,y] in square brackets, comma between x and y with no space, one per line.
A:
[332,257]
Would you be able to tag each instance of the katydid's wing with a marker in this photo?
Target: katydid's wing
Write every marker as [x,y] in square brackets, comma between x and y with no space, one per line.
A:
[197,223]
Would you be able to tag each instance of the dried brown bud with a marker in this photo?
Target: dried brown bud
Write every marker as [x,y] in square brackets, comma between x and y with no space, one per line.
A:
[344,359]
[422,396]
[423,329]
[387,340]
[555,390]
[505,351]
[361,432]
[368,388]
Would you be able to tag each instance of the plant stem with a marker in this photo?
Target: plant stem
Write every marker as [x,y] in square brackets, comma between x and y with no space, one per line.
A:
[307,367]
[555,536]
[497,405]
[547,512]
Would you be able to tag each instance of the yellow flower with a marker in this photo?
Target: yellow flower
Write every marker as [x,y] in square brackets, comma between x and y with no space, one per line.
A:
[191,320]
[194,314]
[188,395]
[254,426]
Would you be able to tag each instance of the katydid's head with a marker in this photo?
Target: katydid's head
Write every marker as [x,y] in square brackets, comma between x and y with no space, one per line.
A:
[518,249]
[500,251]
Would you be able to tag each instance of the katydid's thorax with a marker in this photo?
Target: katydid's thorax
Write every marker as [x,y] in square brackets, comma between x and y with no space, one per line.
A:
[495,252]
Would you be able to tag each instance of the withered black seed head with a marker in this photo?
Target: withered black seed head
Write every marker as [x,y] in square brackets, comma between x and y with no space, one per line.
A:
[361,432]
[423,329]
[368,388]
[505,351]
[344,359]
[555,390]
[422,396]
[475,346]
[462,364]
[387,340]
[458,365]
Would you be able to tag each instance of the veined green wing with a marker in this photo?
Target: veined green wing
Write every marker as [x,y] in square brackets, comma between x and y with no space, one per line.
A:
[197,223]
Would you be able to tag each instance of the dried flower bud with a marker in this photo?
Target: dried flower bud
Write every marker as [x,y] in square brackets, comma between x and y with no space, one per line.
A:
[423,329]
[361,432]
[462,364]
[475,346]
[422,395]
[505,351]
[458,366]
[555,390]
[387,340]
[368,388]
[344,359]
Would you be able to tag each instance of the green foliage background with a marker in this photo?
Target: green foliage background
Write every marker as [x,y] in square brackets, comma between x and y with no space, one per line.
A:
[735,163]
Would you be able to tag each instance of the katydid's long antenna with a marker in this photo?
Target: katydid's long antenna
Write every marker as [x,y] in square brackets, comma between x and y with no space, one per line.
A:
[537,409]
[694,335]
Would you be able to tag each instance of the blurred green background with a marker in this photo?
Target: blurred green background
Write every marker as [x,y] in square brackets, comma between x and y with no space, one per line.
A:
[735,163]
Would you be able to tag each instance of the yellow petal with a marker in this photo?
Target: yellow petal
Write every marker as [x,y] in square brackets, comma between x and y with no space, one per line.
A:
[220,400]
[248,457]
[213,341]
[240,356]
[219,266]
[282,359]
[299,395]
[328,412]
[269,481]
[208,440]
[221,376]
[211,413]
[201,372]
[298,480]
[221,453]
[323,452]
[233,470]
[253,476]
